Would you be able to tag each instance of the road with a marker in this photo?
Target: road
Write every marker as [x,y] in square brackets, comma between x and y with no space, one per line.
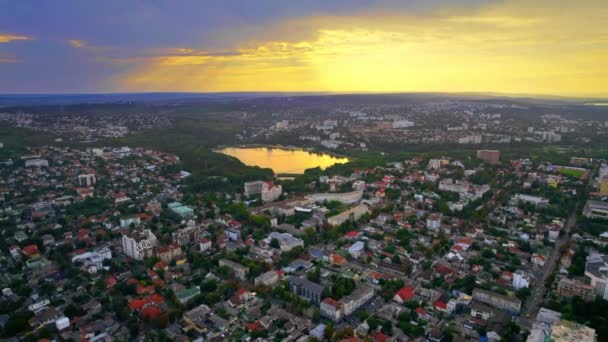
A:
[539,290]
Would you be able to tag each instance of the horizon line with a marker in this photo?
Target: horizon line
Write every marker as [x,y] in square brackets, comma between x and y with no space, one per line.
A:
[313,92]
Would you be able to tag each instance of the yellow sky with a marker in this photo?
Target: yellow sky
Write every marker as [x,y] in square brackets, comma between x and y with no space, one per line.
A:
[540,47]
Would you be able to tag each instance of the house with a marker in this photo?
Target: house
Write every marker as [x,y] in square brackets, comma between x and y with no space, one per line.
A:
[186,295]
[197,318]
[204,244]
[404,294]
[31,251]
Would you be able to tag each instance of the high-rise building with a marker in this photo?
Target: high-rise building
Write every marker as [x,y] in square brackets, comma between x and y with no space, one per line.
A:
[489,156]
[577,161]
[596,270]
[271,192]
[139,244]
[86,180]
[604,186]
[253,188]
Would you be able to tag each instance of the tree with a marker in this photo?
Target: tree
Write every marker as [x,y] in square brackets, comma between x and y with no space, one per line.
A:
[274,243]
[329,331]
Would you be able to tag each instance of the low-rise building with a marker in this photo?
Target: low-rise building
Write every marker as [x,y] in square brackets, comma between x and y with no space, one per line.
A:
[287,242]
[169,252]
[331,309]
[306,289]
[573,288]
[239,270]
[267,279]
[362,294]
[596,210]
[498,301]
[352,214]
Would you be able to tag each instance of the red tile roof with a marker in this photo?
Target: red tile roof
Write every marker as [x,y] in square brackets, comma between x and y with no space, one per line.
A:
[406,293]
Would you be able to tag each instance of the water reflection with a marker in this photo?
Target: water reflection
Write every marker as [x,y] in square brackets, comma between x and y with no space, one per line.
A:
[282,160]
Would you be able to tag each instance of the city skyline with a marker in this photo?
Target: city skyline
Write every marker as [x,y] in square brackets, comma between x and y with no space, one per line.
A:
[516,47]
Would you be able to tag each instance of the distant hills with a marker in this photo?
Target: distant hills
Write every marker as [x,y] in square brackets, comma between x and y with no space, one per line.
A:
[177,98]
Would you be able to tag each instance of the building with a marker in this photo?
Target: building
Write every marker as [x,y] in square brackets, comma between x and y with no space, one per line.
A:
[287,242]
[271,192]
[481,310]
[180,211]
[331,309]
[520,280]
[566,331]
[139,244]
[127,221]
[253,188]
[362,294]
[239,270]
[186,295]
[451,185]
[436,164]
[397,124]
[352,214]
[356,249]
[470,139]
[347,198]
[573,288]
[204,245]
[62,323]
[92,262]
[534,200]
[86,180]
[197,318]
[489,156]
[169,253]
[604,186]
[578,162]
[596,210]
[37,163]
[498,301]
[306,289]
[596,270]
[359,185]
[189,234]
[266,279]
[433,222]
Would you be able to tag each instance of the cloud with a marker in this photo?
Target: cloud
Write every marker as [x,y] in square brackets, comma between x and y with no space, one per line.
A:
[7,38]
[504,47]
[541,46]
[77,43]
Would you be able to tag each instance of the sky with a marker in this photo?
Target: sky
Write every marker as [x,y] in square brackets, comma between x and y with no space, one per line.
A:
[550,47]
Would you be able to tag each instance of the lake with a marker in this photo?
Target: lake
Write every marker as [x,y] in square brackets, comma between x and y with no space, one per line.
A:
[282,160]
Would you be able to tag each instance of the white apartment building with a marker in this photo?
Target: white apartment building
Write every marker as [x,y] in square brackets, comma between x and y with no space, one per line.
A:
[521,280]
[139,244]
[597,271]
[86,180]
